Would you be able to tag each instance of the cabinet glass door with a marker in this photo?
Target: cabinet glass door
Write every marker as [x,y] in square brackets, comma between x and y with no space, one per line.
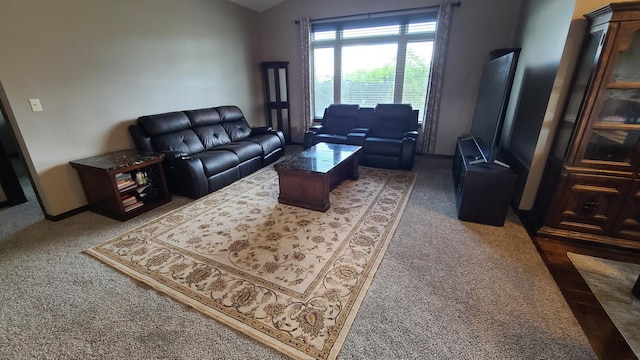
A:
[613,137]
[581,82]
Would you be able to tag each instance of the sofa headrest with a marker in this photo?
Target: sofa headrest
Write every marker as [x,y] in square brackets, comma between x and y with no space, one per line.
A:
[164,123]
[393,120]
[393,110]
[230,113]
[342,110]
[202,117]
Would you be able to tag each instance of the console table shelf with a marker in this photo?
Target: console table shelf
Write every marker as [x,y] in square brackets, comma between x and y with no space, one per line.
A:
[483,190]
[123,184]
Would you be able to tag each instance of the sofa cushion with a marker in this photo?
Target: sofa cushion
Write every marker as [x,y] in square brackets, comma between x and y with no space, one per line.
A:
[185,141]
[217,161]
[243,150]
[164,123]
[382,146]
[212,135]
[234,122]
[237,130]
[393,120]
[340,119]
[202,117]
[268,142]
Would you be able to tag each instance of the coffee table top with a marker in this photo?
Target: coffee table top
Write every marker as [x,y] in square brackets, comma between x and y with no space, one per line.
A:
[320,158]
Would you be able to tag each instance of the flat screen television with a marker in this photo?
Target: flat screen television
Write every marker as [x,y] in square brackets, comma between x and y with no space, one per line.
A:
[491,103]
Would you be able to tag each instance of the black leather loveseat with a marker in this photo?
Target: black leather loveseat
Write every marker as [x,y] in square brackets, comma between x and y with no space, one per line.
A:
[206,149]
[387,133]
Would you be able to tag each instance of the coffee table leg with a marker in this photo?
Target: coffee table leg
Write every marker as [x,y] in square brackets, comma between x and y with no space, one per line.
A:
[355,162]
[636,288]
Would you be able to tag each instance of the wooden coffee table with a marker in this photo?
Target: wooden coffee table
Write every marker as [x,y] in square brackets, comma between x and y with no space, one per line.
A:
[306,179]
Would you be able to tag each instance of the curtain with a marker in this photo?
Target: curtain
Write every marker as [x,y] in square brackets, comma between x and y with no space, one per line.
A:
[427,139]
[305,36]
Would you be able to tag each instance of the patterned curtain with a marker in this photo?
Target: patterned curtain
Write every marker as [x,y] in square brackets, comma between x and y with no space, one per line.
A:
[427,139]
[305,36]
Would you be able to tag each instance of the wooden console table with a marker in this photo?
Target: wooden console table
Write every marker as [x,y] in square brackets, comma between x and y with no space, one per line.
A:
[123,184]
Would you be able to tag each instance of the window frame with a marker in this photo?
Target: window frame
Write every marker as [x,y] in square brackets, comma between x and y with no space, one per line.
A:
[338,42]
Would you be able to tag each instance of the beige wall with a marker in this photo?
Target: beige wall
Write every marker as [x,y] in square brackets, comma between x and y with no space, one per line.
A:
[96,65]
[542,36]
[478,27]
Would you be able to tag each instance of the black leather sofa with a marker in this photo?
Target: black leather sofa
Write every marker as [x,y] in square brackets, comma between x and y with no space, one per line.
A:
[206,149]
[387,133]
[391,141]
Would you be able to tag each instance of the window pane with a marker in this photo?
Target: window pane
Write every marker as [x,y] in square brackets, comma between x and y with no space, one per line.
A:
[368,74]
[323,35]
[371,31]
[426,27]
[416,74]
[322,79]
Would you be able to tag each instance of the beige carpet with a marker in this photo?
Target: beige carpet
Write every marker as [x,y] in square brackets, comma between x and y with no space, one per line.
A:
[611,283]
[288,277]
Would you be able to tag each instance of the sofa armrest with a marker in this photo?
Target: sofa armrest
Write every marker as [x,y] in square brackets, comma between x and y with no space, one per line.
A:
[170,155]
[185,176]
[316,129]
[410,134]
[307,141]
[407,152]
[356,138]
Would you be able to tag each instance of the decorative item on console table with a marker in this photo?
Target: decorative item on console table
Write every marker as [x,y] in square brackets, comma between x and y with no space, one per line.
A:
[591,186]
[124,183]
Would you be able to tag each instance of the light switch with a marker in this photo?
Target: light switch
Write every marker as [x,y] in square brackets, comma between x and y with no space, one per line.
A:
[35,105]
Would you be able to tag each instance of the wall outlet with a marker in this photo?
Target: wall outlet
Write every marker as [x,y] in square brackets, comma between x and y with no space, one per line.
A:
[35,104]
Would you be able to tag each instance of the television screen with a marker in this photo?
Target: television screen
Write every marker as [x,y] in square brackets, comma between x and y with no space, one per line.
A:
[491,103]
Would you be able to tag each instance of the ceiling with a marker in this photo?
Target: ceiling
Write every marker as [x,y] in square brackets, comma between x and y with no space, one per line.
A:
[257,5]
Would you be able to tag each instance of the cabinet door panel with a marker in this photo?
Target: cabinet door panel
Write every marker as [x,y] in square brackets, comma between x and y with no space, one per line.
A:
[588,203]
[627,226]
[611,132]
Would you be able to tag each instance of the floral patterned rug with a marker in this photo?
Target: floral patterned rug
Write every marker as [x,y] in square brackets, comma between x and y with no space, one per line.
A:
[290,278]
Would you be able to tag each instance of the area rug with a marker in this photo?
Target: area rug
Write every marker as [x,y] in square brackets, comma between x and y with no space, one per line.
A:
[290,278]
[611,283]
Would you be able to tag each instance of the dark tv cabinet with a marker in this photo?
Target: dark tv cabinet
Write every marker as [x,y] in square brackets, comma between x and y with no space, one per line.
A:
[483,190]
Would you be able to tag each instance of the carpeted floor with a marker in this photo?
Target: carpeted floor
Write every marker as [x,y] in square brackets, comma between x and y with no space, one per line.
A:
[445,289]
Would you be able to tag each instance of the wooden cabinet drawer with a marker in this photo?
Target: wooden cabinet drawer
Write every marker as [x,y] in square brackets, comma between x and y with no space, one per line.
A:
[627,225]
[588,203]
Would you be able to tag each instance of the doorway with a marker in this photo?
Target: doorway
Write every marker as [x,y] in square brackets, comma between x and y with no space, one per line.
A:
[16,184]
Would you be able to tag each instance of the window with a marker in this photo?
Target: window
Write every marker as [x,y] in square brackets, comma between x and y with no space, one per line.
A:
[372,61]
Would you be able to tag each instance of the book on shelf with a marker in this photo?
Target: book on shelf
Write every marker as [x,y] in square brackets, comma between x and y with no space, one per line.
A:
[126,185]
[122,176]
[129,200]
[135,205]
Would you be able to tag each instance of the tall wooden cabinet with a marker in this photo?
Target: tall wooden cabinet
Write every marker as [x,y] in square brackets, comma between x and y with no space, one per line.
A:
[275,75]
[591,186]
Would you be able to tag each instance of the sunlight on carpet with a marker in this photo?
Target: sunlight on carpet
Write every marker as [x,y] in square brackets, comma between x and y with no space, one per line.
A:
[289,277]
[611,283]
